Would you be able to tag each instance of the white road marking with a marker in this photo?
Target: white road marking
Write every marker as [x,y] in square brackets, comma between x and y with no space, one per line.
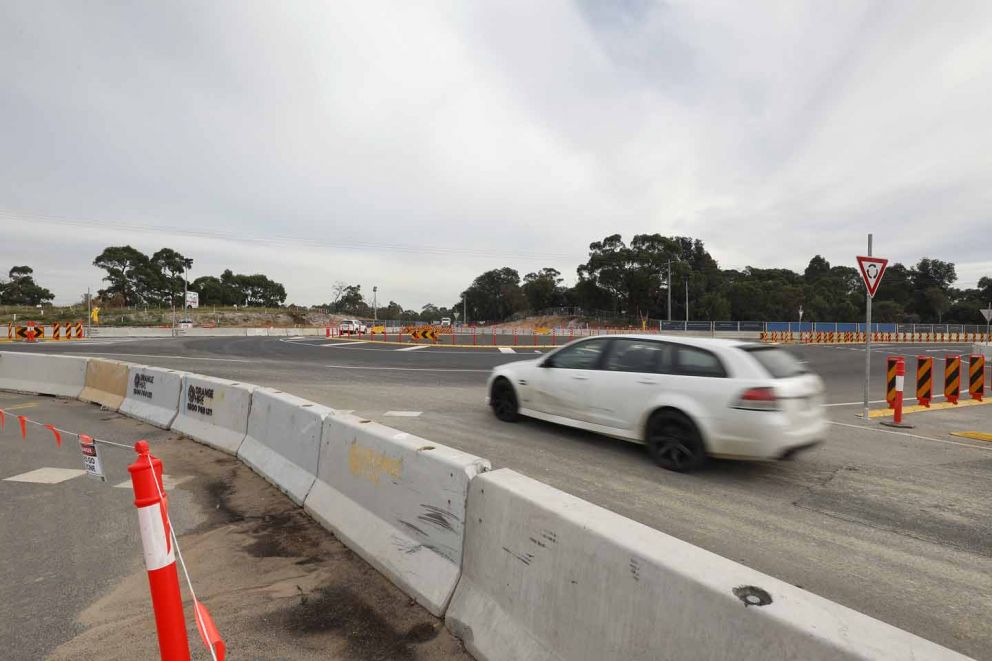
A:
[506,350]
[47,475]
[350,343]
[125,356]
[414,347]
[902,433]
[168,481]
[402,414]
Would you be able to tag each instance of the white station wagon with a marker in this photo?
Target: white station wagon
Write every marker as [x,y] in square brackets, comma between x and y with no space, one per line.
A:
[685,398]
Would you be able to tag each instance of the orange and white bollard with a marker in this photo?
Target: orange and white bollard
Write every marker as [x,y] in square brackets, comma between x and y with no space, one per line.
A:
[900,381]
[160,557]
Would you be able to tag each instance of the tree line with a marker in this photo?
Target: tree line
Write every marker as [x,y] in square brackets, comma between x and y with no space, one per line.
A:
[135,278]
[630,281]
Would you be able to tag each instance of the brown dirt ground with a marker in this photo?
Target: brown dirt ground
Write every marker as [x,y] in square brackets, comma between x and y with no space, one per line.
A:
[277,584]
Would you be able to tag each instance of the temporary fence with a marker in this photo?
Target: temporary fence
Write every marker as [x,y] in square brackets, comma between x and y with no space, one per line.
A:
[37,332]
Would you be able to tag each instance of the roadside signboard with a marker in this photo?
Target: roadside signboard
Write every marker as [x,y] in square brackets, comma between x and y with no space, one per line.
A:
[91,457]
[192,299]
[987,313]
[872,269]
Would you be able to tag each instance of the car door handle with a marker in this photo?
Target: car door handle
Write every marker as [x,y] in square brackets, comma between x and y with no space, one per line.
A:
[647,382]
[581,378]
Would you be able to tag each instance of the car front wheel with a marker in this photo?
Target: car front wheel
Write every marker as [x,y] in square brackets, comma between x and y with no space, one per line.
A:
[504,401]
[673,442]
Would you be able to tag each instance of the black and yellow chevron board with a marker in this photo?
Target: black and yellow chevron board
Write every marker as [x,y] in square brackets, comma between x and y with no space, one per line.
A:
[924,379]
[976,376]
[890,381]
[78,330]
[56,331]
[952,378]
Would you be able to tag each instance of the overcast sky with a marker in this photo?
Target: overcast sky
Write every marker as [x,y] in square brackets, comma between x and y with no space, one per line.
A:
[414,145]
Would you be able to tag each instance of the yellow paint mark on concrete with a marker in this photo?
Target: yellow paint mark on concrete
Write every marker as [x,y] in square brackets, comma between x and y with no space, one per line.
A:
[371,464]
[974,435]
[18,407]
[936,406]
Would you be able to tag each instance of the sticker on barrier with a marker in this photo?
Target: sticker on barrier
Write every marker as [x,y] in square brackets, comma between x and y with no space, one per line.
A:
[214,411]
[153,395]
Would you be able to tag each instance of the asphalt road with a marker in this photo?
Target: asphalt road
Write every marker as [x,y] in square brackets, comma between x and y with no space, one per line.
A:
[892,524]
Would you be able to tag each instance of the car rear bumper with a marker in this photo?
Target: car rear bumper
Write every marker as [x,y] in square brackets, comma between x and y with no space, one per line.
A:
[767,435]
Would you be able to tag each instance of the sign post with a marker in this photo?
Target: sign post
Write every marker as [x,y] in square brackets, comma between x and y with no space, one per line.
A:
[987,313]
[872,269]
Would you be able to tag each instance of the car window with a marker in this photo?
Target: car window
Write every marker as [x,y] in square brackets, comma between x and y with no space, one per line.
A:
[580,356]
[778,363]
[693,361]
[639,356]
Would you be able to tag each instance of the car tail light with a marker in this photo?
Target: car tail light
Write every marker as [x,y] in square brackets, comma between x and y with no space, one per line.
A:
[758,399]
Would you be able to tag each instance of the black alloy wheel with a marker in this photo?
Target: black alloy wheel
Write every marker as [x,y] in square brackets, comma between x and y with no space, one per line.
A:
[504,401]
[674,442]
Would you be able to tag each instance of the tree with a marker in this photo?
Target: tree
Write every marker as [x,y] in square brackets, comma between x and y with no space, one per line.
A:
[168,270]
[210,289]
[21,289]
[495,295]
[125,267]
[350,300]
[543,289]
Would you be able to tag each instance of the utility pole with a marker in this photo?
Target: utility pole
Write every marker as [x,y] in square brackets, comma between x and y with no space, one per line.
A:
[867,342]
[187,264]
[89,313]
[465,309]
[375,304]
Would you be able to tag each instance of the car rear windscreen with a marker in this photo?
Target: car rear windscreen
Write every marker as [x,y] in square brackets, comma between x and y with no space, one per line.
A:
[780,364]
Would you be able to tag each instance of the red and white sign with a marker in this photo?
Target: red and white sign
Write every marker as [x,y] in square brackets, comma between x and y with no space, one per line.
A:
[872,269]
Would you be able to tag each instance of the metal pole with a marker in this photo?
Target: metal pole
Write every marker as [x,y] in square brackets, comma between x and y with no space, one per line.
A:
[867,342]
[687,303]
[89,318]
[669,290]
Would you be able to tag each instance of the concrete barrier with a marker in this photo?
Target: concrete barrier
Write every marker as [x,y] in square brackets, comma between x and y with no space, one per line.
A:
[982,350]
[153,395]
[214,411]
[396,500]
[549,576]
[106,383]
[62,376]
[283,441]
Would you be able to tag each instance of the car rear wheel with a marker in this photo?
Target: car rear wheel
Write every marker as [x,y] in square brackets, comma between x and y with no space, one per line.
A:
[504,401]
[674,442]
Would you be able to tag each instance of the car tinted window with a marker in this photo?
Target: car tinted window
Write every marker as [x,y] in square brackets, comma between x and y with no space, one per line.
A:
[638,356]
[693,361]
[581,356]
[778,363]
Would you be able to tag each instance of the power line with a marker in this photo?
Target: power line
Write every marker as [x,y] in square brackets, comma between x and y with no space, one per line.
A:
[278,239]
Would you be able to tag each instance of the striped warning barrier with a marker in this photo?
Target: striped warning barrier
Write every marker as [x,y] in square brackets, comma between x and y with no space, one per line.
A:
[77,331]
[924,380]
[56,331]
[952,378]
[976,376]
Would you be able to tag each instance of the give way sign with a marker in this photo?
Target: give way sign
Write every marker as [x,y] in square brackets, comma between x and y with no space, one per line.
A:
[872,269]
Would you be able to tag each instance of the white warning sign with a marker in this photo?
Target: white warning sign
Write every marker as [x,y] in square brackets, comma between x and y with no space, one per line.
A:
[91,457]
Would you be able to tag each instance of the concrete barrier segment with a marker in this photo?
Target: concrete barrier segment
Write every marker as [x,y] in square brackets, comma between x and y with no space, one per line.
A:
[214,411]
[153,395]
[44,374]
[398,501]
[549,576]
[283,441]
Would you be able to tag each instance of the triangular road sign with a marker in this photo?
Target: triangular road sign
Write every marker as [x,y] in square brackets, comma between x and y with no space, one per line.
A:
[987,313]
[872,269]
